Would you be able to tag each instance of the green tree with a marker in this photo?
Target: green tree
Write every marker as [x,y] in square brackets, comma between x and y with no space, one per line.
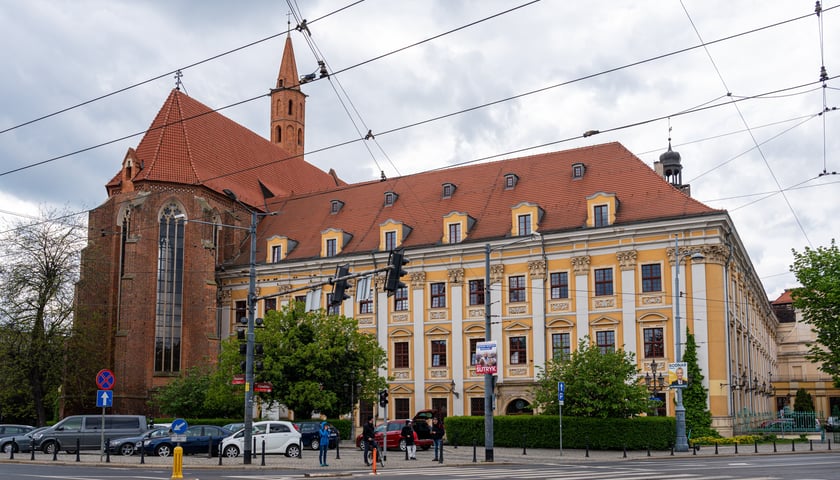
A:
[803,401]
[311,360]
[818,271]
[198,393]
[698,419]
[601,385]
[40,267]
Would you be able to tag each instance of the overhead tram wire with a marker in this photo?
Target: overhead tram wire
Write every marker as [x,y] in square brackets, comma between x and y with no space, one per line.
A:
[76,152]
[532,147]
[586,77]
[455,113]
[746,124]
[164,75]
[320,58]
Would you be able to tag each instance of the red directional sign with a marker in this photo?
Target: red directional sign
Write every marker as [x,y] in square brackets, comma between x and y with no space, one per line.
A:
[105,379]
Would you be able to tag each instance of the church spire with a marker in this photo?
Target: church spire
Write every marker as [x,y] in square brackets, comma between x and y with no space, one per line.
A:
[288,105]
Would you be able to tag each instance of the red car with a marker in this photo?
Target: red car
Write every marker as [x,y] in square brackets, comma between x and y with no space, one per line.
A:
[391,431]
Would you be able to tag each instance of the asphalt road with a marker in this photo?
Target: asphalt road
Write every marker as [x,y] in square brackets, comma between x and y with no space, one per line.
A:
[537,465]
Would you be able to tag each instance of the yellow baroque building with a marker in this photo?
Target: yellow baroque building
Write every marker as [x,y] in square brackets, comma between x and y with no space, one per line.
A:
[579,243]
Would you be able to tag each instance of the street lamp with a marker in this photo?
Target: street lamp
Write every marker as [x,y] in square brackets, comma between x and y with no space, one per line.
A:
[655,384]
[682,440]
[488,377]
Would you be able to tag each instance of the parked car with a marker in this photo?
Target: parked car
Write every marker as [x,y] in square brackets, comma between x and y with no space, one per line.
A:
[279,436]
[310,434]
[21,442]
[777,425]
[199,439]
[234,427]
[832,424]
[128,445]
[8,429]
[390,430]
[86,431]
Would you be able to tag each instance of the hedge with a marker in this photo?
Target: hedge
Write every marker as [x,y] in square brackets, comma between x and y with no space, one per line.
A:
[543,431]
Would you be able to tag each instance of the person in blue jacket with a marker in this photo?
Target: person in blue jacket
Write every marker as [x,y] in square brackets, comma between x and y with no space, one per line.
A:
[324,443]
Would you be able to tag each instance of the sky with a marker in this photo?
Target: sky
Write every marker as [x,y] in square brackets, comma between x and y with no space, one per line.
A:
[736,86]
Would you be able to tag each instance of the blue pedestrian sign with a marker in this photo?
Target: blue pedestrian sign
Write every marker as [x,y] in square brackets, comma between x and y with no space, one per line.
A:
[104,398]
[561,392]
[179,426]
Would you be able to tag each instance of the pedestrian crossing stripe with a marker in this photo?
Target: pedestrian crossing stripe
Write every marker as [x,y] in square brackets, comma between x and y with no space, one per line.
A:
[560,473]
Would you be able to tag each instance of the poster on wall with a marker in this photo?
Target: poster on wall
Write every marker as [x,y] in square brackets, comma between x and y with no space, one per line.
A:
[486,358]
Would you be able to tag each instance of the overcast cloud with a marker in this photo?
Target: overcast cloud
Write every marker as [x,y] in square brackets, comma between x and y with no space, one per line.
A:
[61,53]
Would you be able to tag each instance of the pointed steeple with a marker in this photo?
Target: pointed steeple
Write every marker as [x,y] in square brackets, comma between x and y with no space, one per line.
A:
[288,105]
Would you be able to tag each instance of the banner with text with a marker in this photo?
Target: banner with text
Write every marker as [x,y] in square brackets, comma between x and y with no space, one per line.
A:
[486,358]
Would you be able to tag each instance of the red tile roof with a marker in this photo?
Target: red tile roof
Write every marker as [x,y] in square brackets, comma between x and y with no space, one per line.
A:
[784,299]
[544,179]
[188,143]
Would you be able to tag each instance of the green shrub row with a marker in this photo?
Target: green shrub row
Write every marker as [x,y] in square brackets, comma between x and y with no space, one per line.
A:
[543,431]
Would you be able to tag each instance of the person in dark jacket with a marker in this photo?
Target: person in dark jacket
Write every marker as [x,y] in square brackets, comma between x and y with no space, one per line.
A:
[437,438]
[368,437]
[410,436]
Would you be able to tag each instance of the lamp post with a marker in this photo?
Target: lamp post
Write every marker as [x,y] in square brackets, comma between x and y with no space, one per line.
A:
[655,384]
[488,377]
[681,444]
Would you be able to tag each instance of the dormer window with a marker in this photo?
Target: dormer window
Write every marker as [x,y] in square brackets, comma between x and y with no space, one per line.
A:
[511,179]
[578,170]
[390,198]
[335,206]
[448,190]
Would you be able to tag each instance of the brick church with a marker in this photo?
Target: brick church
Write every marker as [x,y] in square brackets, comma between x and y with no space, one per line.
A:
[148,290]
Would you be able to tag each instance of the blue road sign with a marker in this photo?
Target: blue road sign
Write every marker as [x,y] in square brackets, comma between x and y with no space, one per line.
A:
[179,426]
[104,398]
[105,379]
[561,392]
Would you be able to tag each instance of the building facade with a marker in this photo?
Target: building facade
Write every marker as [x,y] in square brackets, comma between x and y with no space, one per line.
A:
[589,242]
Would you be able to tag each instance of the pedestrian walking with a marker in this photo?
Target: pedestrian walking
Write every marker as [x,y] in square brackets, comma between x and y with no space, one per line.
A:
[368,437]
[410,436]
[437,437]
[323,443]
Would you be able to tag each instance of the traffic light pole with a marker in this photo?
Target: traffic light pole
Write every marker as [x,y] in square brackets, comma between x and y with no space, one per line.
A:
[249,339]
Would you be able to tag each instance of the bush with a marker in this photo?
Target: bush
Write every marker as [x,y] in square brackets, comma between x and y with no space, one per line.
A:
[543,431]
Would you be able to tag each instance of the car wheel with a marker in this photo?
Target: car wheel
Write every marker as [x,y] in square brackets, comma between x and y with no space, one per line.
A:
[315,444]
[8,447]
[293,450]
[402,445]
[126,449]
[426,447]
[163,450]
[49,447]
[231,451]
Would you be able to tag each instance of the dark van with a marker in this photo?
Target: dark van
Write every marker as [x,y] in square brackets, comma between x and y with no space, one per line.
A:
[88,431]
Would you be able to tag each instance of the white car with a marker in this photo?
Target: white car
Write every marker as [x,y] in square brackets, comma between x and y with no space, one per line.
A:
[279,437]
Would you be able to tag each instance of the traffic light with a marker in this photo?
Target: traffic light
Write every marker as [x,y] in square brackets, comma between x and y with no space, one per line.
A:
[395,271]
[339,286]
[383,398]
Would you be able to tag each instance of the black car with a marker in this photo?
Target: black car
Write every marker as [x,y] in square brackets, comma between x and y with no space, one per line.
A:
[310,437]
[128,445]
[198,439]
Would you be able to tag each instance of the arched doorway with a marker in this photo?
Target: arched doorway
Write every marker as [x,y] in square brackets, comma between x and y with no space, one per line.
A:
[519,406]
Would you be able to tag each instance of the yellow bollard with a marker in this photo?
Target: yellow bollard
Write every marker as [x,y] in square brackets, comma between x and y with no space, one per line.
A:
[177,462]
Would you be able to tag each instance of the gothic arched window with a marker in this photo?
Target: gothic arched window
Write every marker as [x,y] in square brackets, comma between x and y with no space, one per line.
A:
[170,291]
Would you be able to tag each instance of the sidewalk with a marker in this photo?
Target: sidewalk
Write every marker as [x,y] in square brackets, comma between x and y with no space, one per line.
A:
[348,458]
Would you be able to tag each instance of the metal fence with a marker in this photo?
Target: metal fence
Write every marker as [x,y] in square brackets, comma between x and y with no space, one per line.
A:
[784,422]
